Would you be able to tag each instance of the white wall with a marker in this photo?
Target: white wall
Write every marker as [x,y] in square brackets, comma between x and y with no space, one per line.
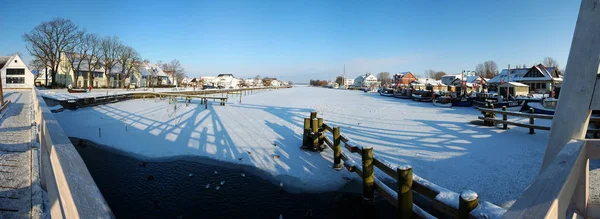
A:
[17,62]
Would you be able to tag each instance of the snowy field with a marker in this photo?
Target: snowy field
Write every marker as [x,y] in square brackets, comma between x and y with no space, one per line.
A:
[265,131]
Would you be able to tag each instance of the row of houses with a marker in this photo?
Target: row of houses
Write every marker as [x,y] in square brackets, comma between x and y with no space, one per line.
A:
[229,81]
[146,74]
[537,79]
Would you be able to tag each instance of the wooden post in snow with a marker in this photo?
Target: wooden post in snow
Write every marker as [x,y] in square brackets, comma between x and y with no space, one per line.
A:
[306,132]
[315,132]
[337,149]
[504,118]
[531,122]
[571,116]
[405,196]
[466,203]
[368,175]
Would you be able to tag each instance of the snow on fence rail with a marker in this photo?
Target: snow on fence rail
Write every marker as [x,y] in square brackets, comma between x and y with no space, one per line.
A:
[489,118]
[72,193]
[446,202]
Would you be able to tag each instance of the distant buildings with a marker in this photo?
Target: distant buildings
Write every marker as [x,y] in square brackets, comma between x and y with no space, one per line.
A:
[15,73]
[366,80]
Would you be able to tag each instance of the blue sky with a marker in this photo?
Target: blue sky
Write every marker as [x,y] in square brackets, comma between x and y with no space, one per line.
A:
[302,40]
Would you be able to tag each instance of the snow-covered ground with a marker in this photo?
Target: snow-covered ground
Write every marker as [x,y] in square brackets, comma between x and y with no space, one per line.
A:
[265,131]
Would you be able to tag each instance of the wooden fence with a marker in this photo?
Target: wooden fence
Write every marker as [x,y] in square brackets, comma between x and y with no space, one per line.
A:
[489,118]
[465,205]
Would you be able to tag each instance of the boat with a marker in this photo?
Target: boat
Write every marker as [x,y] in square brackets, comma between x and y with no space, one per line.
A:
[442,101]
[422,96]
[462,101]
[388,92]
[486,100]
[71,90]
[405,93]
[546,106]
[370,90]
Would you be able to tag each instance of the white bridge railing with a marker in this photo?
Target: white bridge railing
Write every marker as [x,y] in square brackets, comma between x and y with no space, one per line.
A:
[72,193]
[562,189]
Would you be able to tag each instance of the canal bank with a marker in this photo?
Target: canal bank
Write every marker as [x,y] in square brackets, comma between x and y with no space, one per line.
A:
[192,187]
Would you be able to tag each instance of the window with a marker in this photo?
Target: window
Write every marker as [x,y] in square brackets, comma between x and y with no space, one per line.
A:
[98,74]
[543,85]
[15,80]
[15,71]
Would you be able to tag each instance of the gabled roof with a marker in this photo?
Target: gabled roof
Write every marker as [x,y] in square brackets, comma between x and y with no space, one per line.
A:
[548,73]
[148,69]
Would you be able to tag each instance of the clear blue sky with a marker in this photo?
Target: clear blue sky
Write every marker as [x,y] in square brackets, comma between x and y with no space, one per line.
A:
[302,40]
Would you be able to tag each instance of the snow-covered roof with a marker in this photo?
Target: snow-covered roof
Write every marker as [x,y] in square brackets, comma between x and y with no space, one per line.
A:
[519,74]
[513,84]
[149,69]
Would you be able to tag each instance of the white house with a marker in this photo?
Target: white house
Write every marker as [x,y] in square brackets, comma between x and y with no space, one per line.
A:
[152,71]
[227,81]
[366,80]
[539,78]
[348,82]
[275,83]
[15,73]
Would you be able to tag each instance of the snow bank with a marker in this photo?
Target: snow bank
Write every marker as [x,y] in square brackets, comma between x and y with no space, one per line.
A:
[265,131]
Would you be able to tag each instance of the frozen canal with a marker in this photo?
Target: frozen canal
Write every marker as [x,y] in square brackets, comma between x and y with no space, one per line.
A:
[265,131]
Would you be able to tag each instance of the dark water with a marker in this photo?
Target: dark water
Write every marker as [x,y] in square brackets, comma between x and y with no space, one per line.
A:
[164,189]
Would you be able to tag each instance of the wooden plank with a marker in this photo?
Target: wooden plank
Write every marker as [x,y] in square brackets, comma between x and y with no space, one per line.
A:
[515,123]
[519,114]
[528,125]
[572,111]
[550,194]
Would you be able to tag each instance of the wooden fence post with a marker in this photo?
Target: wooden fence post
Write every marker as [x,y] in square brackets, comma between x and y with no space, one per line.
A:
[467,202]
[405,195]
[306,132]
[493,115]
[368,175]
[531,122]
[205,103]
[337,149]
[504,118]
[315,133]
[320,123]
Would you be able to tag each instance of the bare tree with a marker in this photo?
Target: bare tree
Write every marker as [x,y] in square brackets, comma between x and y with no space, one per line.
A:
[550,62]
[438,75]
[130,60]
[49,39]
[175,69]
[384,77]
[76,54]
[93,44]
[488,69]
[36,65]
[339,80]
[109,54]
[430,73]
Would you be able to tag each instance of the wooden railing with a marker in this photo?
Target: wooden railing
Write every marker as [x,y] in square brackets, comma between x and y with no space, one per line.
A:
[562,189]
[444,201]
[490,119]
[72,193]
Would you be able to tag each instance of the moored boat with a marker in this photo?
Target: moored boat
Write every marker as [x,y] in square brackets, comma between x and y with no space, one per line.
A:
[388,92]
[76,90]
[485,100]
[405,93]
[546,106]
[422,96]
[443,101]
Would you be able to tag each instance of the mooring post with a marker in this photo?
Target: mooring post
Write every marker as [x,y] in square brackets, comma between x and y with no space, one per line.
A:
[240,97]
[306,132]
[99,132]
[315,134]
[466,203]
[493,115]
[337,149]
[405,195]
[504,118]
[531,122]
[368,175]
[205,103]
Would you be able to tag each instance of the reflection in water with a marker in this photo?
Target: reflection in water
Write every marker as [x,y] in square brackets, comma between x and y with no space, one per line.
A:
[184,189]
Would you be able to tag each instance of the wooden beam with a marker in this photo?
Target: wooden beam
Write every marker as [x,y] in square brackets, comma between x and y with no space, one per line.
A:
[572,111]
[550,194]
